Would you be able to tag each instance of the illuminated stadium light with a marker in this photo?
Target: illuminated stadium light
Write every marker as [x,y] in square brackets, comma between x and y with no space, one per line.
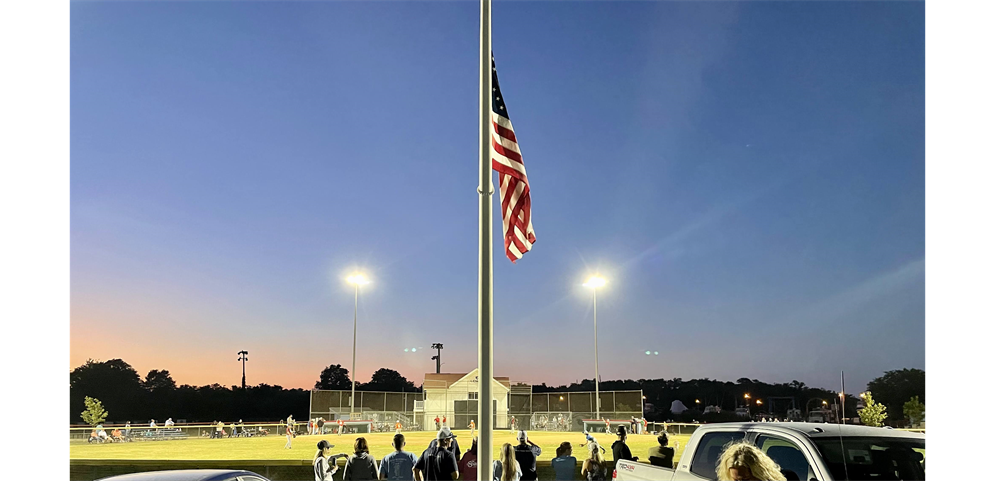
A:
[406,349]
[595,281]
[656,353]
[647,353]
[358,279]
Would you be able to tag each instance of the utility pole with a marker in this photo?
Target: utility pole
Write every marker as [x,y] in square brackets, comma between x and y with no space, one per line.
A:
[438,357]
[243,356]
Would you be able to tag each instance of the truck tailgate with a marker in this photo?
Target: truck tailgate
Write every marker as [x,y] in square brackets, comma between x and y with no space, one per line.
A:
[633,471]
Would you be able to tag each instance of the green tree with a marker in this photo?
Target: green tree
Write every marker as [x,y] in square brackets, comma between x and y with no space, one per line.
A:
[893,388]
[914,410]
[873,413]
[94,413]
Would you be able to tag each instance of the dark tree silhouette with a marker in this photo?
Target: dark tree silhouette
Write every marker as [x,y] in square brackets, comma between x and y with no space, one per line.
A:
[157,380]
[388,380]
[114,382]
[334,377]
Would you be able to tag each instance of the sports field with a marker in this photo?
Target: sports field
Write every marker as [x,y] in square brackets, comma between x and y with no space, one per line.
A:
[304,447]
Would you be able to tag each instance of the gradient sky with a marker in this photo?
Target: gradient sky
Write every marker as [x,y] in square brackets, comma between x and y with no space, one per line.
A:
[749,177]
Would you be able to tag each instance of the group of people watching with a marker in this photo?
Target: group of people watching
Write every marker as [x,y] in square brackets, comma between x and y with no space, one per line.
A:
[236,430]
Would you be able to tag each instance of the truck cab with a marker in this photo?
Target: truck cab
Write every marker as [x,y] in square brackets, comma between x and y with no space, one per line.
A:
[804,451]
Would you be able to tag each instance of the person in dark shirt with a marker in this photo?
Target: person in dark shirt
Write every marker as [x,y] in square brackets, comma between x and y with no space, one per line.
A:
[619,449]
[662,455]
[453,447]
[438,463]
[526,453]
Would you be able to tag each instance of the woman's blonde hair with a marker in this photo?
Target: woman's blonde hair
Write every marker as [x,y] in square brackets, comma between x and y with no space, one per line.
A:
[595,450]
[508,470]
[745,455]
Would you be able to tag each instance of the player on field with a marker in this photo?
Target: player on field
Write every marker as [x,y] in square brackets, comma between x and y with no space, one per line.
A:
[472,426]
[397,427]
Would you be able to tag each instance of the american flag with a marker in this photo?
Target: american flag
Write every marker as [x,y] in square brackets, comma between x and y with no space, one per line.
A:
[506,159]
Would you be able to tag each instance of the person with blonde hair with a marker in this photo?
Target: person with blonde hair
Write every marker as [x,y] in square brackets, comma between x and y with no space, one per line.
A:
[507,468]
[594,467]
[743,461]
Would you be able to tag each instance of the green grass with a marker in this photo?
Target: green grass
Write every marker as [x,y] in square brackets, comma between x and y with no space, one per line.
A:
[304,447]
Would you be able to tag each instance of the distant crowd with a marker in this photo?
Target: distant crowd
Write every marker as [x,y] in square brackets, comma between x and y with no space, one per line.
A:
[443,459]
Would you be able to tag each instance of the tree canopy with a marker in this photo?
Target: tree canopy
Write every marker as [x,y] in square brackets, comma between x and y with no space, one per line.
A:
[334,377]
[894,388]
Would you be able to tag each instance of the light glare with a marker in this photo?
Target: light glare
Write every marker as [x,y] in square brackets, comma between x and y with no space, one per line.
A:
[595,282]
[358,279]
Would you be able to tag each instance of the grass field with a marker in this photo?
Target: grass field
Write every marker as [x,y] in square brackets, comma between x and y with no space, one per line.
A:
[304,447]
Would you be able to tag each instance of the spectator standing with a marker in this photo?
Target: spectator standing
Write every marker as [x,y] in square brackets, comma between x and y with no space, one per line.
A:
[620,450]
[526,453]
[507,467]
[468,464]
[438,463]
[662,455]
[324,468]
[397,466]
[594,467]
[453,446]
[220,428]
[360,465]
[744,461]
[127,429]
[564,464]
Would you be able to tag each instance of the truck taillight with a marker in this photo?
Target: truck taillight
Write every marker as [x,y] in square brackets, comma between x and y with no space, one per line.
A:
[614,473]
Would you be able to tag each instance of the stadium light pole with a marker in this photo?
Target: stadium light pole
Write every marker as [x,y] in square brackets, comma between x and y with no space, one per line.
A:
[356,280]
[594,282]
[243,356]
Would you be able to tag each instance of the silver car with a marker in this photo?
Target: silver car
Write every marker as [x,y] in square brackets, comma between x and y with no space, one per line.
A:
[190,475]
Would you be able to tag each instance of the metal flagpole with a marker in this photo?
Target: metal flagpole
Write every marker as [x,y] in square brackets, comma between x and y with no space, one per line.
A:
[485,301]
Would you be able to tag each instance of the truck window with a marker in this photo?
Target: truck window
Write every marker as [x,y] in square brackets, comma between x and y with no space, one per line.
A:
[706,455]
[786,454]
[874,458]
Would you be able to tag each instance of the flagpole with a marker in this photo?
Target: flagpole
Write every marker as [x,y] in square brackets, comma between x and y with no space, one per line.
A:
[485,301]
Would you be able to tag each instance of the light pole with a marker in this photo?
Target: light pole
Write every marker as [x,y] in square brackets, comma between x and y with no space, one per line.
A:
[243,356]
[356,280]
[594,282]
[438,357]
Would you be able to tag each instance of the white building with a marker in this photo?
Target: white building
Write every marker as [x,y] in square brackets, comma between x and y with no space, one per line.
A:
[455,396]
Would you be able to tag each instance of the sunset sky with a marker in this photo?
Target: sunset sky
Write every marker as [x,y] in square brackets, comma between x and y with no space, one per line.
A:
[749,177]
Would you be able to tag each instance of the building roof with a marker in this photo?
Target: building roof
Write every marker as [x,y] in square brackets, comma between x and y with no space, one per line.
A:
[446,379]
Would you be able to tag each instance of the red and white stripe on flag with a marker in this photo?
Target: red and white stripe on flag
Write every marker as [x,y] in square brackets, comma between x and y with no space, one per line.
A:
[506,159]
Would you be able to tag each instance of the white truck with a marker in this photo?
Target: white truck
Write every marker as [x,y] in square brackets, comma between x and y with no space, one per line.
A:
[804,451]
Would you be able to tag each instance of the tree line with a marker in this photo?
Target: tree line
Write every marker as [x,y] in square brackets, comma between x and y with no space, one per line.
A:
[127,396]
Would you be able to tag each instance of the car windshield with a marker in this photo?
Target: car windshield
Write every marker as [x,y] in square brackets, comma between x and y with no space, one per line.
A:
[872,458]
